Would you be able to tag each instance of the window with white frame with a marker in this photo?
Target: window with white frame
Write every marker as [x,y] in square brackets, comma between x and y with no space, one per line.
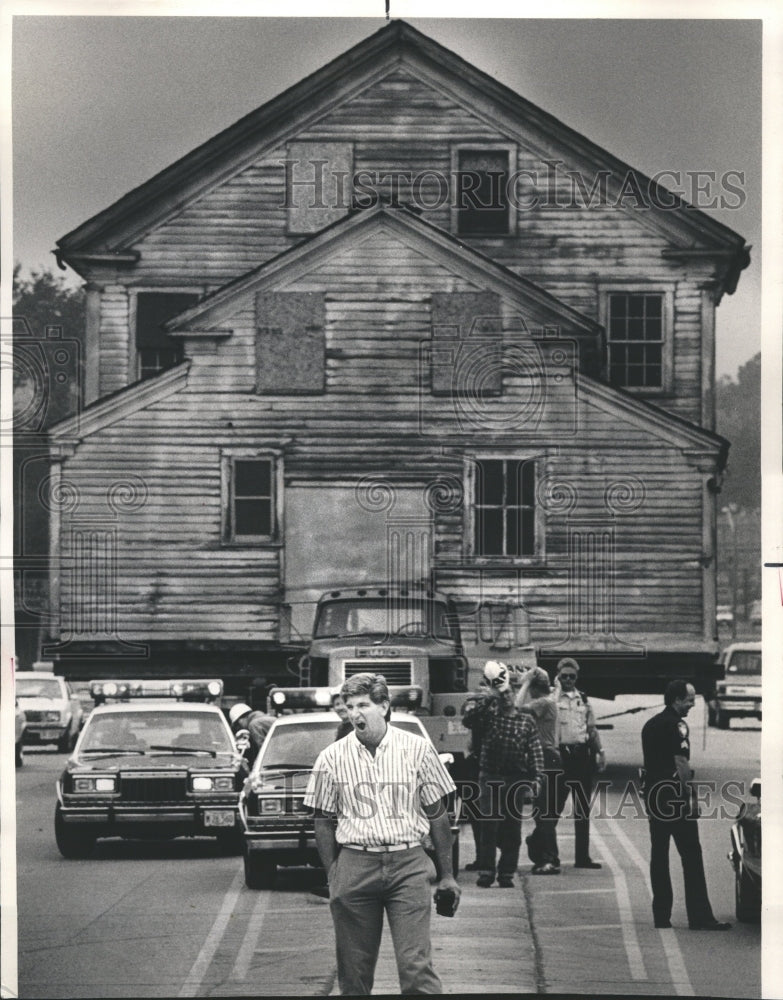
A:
[504,507]
[250,491]
[638,331]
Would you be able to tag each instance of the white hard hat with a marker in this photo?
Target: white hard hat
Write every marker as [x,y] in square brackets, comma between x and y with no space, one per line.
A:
[496,674]
[237,711]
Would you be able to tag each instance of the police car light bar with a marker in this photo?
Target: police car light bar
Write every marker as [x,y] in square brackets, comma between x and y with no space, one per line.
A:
[309,697]
[121,690]
[407,698]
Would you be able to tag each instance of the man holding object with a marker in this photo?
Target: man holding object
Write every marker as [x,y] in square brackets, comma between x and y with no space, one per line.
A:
[376,794]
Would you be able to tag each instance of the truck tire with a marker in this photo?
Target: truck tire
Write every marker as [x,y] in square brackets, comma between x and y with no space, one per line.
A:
[260,872]
[722,719]
[73,842]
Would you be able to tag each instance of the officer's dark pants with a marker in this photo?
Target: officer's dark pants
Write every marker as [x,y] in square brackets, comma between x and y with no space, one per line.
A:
[500,825]
[576,778]
[672,820]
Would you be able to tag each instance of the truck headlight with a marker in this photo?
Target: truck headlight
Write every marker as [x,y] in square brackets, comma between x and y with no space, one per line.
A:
[94,784]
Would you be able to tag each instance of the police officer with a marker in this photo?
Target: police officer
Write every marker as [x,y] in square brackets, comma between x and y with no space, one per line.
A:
[581,753]
[672,811]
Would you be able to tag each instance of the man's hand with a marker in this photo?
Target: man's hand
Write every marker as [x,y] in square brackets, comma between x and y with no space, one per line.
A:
[600,761]
[448,882]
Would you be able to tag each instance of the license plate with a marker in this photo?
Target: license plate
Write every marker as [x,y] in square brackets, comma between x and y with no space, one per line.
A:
[219,817]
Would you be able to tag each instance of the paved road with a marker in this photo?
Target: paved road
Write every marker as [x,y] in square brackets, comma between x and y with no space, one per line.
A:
[175,919]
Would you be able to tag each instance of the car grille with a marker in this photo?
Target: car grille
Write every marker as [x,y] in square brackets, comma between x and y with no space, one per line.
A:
[395,671]
[33,716]
[153,787]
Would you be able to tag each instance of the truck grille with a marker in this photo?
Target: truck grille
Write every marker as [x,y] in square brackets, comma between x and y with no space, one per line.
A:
[395,671]
[153,787]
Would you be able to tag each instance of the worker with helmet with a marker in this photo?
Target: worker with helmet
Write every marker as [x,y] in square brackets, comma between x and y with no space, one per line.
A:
[511,763]
[256,724]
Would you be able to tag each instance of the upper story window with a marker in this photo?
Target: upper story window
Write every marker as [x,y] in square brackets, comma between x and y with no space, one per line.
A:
[156,351]
[638,325]
[504,507]
[480,201]
[250,493]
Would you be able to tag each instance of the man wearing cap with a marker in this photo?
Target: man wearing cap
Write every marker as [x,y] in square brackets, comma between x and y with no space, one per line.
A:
[510,769]
[376,794]
[580,746]
[256,723]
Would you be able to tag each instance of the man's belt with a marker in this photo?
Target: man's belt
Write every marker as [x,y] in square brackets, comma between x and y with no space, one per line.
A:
[381,848]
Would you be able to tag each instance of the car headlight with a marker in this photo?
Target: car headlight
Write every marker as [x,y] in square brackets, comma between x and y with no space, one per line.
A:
[267,806]
[212,783]
[51,716]
[94,784]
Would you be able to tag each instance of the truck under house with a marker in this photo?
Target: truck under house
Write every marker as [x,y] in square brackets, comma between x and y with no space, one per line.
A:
[398,324]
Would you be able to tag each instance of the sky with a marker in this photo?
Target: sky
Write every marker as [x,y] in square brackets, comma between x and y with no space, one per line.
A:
[100,104]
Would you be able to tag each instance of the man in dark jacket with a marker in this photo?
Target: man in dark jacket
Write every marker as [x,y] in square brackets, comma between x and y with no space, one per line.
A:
[673,812]
[510,768]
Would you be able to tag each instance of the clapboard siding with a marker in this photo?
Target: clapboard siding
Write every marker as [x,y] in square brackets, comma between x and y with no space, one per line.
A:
[401,123]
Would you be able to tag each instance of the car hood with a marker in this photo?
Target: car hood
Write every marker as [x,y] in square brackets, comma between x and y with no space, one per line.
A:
[278,781]
[39,704]
[151,761]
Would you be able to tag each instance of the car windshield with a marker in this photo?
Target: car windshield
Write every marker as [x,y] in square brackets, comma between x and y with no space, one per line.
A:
[383,616]
[32,687]
[297,747]
[139,731]
[745,662]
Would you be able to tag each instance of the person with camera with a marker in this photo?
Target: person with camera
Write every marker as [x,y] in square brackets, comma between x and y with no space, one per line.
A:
[673,812]
[375,795]
[510,770]
[581,754]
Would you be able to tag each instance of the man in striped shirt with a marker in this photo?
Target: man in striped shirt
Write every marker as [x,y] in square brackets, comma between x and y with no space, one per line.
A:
[386,788]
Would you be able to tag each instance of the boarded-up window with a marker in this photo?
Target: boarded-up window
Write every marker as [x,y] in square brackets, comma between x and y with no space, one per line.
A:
[290,342]
[156,350]
[481,196]
[319,184]
[467,345]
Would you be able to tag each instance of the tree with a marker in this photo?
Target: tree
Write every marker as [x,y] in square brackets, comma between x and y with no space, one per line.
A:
[738,413]
[48,337]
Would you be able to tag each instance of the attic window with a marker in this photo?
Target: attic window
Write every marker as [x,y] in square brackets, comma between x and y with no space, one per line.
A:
[481,191]
[156,351]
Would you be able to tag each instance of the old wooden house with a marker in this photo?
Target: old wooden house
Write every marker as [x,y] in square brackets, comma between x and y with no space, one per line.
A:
[396,324]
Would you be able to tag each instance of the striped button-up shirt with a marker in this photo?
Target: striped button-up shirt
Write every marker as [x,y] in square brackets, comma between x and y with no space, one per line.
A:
[379,799]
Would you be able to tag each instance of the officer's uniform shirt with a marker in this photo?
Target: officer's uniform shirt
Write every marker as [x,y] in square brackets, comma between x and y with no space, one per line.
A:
[664,736]
[574,718]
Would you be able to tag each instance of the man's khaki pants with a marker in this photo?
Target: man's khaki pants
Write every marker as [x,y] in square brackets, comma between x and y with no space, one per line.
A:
[361,886]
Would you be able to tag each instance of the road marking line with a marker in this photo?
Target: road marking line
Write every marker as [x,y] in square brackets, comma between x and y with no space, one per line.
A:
[632,950]
[250,940]
[674,959]
[572,892]
[582,927]
[204,958]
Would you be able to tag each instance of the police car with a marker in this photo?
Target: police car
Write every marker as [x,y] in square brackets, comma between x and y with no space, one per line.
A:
[156,759]
[278,827]
[745,856]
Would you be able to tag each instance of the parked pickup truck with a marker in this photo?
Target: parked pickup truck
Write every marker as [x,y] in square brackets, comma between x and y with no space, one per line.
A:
[738,695]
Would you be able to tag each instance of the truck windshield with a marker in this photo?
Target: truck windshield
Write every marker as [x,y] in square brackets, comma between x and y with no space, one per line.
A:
[744,661]
[381,616]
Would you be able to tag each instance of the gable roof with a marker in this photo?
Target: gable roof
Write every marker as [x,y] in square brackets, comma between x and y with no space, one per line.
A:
[110,232]
[412,230]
